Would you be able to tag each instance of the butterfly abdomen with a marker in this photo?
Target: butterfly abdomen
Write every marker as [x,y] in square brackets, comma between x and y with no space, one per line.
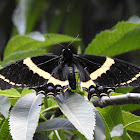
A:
[71,78]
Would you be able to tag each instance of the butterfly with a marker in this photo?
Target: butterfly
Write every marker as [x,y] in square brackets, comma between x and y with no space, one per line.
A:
[52,74]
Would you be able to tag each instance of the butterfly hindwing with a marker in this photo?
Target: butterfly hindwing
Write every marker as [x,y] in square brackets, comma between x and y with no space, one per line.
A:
[60,76]
[29,72]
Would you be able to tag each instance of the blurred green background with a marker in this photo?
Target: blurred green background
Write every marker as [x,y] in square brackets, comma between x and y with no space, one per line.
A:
[70,17]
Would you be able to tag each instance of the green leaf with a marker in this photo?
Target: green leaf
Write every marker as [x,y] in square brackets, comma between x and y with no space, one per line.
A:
[4,130]
[10,93]
[112,116]
[22,54]
[50,102]
[13,100]
[123,38]
[26,91]
[124,90]
[130,107]
[23,43]
[132,122]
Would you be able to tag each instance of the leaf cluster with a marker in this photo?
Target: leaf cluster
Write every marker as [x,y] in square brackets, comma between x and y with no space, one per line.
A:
[123,38]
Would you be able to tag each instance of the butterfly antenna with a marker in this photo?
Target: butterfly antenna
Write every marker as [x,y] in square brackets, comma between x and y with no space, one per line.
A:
[55,41]
[73,41]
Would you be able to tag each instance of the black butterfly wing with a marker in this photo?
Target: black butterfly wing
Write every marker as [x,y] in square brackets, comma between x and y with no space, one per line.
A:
[30,72]
[108,72]
[60,75]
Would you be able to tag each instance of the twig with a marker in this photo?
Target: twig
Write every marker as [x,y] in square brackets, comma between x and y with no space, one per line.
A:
[129,98]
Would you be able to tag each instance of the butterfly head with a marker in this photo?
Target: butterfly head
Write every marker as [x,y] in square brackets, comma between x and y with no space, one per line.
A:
[67,54]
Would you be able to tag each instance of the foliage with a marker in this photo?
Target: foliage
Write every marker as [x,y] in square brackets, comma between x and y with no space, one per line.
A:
[123,37]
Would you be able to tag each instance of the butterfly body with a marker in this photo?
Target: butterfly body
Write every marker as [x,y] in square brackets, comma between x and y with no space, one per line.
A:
[54,74]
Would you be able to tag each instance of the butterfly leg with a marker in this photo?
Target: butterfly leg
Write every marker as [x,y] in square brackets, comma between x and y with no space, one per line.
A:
[50,90]
[58,90]
[99,91]
[41,90]
[46,90]
[95,91]
[104,91]
[91,92]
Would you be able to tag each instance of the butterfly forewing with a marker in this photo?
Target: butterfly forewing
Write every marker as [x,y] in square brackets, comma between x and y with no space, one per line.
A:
[29,72]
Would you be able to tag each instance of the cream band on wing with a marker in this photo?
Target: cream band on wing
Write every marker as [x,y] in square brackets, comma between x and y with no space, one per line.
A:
[87,84]
[32,66]
[58,82]
[8,81]
[133,79]
[103,69]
